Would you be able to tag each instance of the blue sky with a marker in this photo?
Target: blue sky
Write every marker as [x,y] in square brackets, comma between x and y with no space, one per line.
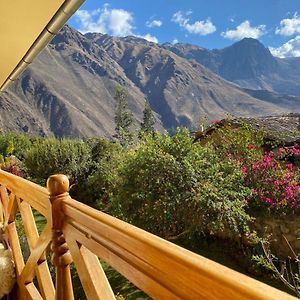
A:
[210,23]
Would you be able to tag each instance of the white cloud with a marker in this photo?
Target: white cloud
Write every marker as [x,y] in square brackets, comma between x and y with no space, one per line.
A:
[201,27]
[87,24]
[118,22]
[149,38]
[175,41]
[291,48]
[181,18]
[289,26]
[244,30]
[198,27]
[154,23]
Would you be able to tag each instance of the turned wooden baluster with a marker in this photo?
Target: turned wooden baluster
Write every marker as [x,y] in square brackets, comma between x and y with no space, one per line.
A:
[58,187]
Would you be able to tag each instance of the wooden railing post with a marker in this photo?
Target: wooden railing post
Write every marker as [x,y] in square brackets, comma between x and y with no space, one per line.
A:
[58,187]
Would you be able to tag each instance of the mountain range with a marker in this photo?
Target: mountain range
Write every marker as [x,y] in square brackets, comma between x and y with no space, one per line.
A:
[69,89]
[247,63]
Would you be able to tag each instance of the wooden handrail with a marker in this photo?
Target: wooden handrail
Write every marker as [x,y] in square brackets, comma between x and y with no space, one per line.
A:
[35,195]
[157,266]
[82,234]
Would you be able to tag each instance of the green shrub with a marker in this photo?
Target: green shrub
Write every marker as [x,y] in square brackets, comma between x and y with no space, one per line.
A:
[97,187]
[52,156]
[220,194]
[168,185]
[12,143]
[238,141]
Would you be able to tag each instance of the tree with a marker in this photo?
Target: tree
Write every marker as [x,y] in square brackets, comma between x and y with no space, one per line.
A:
[123,117]
[148,119]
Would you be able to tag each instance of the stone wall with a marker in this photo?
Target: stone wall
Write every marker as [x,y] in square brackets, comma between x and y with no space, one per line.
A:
[276,229]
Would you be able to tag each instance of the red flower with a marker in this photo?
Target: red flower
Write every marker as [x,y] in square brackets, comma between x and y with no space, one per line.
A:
[244,170]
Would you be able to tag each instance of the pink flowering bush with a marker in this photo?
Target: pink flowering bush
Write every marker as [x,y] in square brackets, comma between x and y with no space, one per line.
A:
[273,176]
[273,180]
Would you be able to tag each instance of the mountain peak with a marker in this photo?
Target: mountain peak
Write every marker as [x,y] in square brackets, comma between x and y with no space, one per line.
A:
[249,40]
[67,35]
[247,59]
[250,46]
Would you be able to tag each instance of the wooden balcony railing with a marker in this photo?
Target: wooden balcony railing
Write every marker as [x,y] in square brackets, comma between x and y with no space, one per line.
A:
[81,234]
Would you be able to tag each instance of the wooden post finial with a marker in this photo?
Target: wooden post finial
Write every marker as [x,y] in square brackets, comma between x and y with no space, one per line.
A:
[58,184]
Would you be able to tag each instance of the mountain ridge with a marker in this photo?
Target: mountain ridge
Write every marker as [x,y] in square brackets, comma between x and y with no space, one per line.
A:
[69,89]
[247,63]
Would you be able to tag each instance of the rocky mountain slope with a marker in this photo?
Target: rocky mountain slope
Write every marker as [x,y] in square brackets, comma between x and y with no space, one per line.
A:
[69,89]
[247,63]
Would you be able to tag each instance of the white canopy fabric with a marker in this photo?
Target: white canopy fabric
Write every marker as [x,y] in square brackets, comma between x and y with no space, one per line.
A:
[25,29]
